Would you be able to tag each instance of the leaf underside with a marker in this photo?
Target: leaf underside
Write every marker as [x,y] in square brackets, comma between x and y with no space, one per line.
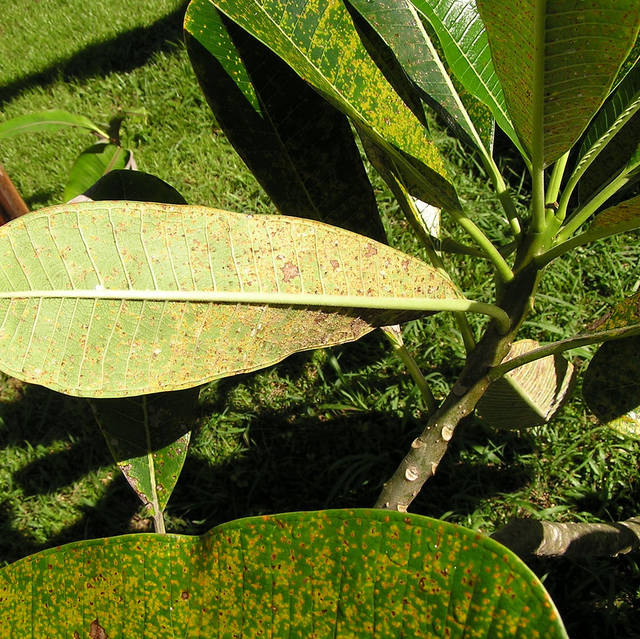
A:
[333,574]
[611,386]
[59,328]
[582,47]
[148,437]
[529,395]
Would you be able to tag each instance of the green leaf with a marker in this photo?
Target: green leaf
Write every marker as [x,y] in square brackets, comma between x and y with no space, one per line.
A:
[47,121]
[320,43]
[148,437]
[464,41]
[398,24]
[530,395]
[91,165]
[556,62]
[611,386]
[619,108]
[124,298]
[301,151]
[336,574]
[125,184]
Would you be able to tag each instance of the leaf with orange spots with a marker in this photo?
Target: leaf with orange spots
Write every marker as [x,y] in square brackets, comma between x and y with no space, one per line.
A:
[112,299]
[339,574]
[301,150]
[319,41]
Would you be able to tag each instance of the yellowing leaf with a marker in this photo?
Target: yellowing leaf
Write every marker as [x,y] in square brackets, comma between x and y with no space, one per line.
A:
[109,299]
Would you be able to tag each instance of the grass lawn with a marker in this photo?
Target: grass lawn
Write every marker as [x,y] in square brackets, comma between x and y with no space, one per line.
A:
[322,429]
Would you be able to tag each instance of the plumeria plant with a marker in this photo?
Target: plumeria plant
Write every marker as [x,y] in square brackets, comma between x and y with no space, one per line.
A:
[137,303]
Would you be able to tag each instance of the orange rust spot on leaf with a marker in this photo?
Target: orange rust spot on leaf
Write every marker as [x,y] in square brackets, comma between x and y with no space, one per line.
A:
[96,631]
[289,271]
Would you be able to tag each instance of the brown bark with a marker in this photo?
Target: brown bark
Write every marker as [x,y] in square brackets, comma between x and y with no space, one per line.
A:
[11,203]
[548,539]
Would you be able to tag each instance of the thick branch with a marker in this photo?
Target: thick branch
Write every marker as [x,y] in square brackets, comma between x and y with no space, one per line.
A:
[548,539]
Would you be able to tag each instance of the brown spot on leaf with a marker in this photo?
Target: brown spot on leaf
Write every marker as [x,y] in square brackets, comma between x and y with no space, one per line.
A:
[96,631]
[289,271]
[335,264]
[370,250]
[76,635]
[184,595]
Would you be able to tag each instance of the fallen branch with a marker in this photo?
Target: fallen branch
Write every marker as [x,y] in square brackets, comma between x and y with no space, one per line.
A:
[548,539]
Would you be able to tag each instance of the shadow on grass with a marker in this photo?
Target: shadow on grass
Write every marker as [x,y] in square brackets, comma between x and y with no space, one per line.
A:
[123,53]
[297,456]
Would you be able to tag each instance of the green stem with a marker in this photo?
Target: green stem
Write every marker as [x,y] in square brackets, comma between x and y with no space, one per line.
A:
[559,347]
[500,264]
[538,212]
[407,204]
[583,214]
[503,194]
[282,299]
[592,235]
[553,188]
[395,337]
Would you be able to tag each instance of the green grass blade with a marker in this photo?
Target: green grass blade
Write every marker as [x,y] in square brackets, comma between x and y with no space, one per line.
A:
[556,63]
[334,573]
[148,437]
[301,151]
[124,298]
[47,121]
[321,44]
[464,41]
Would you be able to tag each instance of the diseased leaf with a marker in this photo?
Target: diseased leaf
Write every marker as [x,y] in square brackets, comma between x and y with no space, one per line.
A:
[611,386]
[148,437]
[46,121]
[397,22]
[556,62]
[338,574]
[626,214]
[621,156]
[464,41]
[297,145]
[619,108]
[529,395]
[320,43]
[109,299]
[91,165]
